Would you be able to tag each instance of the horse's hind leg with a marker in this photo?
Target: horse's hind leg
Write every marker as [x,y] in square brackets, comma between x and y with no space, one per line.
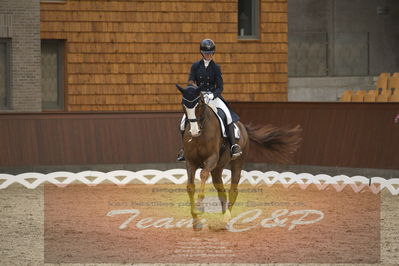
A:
[236,166]
[218,184]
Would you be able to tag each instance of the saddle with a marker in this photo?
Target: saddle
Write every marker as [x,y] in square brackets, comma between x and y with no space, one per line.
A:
[223,123]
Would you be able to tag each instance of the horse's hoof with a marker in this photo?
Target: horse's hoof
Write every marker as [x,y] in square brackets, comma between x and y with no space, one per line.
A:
[218,227]
[226,216]
[197,226]
[227,227]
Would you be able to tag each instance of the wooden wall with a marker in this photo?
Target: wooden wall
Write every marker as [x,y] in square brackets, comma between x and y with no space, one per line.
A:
[360,135]
[127,55]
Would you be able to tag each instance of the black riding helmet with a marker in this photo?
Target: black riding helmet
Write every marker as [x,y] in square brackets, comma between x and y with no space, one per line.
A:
[207,46]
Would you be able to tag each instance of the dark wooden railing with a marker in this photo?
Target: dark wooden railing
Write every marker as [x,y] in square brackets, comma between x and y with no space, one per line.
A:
[334,134]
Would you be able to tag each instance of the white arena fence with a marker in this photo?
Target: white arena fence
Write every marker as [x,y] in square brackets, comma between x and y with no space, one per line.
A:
[179,176]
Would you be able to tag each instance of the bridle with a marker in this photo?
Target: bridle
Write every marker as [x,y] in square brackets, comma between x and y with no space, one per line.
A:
[191,101]
[201,119]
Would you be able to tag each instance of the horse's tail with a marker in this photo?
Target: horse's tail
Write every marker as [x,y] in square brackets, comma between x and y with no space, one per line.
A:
[280,142]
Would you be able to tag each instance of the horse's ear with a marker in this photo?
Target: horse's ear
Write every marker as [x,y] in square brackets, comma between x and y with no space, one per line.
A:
[180,88]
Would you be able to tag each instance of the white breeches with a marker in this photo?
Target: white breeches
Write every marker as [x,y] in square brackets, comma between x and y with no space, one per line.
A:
[215,103]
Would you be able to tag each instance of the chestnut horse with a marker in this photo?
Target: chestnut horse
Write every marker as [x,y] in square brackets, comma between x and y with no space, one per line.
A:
[205,147]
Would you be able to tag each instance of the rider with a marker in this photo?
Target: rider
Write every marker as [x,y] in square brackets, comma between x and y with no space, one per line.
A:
[207,73]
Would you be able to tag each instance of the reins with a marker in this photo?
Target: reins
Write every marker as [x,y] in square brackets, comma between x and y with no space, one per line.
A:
[201,119]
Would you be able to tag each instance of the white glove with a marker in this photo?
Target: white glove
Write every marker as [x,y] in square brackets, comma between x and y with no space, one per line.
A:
[208,97]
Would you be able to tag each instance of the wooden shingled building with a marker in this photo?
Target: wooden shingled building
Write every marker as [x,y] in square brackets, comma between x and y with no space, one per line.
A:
[127,55]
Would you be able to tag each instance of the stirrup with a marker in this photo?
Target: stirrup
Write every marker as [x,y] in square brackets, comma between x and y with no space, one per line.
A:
[236,151]
[180,156]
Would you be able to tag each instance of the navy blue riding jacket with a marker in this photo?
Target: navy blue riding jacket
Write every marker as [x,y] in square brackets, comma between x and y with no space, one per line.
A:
[210,78]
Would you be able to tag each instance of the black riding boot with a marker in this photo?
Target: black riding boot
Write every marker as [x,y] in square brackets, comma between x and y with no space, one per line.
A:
[180,156]
[235,148]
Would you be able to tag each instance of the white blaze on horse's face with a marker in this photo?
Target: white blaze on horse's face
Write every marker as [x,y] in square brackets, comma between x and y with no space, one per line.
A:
[194,128]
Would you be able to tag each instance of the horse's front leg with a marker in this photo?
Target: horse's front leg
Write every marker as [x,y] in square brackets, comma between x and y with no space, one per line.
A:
[209,165]
[197,225]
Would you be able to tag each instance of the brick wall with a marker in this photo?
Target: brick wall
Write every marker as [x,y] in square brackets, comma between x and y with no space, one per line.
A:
[21,24]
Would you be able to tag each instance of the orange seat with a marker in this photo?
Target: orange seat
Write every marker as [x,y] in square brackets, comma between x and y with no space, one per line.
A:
[383,95]
[394,96]
[358,96]
[346,96]
[394,81]
[370,96]
[382,98]
[382,81]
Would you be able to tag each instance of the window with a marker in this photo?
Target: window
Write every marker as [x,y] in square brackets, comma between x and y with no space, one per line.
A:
[5,46]
[248,19]
[52,74]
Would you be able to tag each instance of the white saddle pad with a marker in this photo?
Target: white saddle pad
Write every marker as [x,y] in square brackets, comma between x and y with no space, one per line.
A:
[222,127]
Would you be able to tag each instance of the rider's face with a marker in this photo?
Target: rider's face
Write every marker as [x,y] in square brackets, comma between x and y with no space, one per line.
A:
[208,56]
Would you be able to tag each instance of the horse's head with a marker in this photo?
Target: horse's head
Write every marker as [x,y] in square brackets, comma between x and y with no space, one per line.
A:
[194,106]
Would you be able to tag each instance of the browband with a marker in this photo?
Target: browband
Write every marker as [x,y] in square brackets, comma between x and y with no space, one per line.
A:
[191,100]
